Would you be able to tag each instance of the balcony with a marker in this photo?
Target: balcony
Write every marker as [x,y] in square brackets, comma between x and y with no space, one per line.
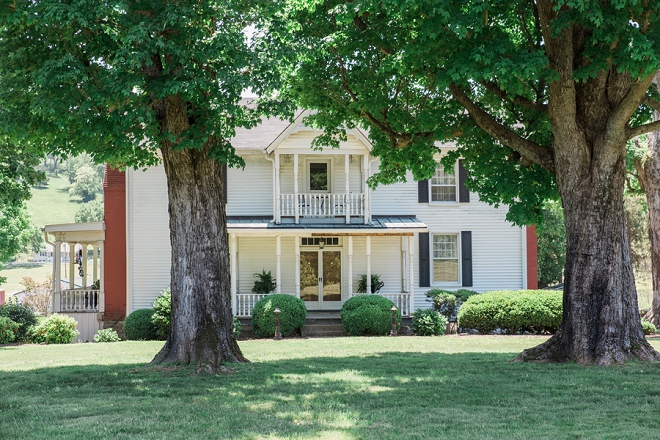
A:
[324,205]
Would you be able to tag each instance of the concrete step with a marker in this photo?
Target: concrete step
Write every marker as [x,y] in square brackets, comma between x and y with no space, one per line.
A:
[316,330]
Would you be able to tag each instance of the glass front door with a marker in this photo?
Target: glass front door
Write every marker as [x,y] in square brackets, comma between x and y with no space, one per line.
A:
[320,279]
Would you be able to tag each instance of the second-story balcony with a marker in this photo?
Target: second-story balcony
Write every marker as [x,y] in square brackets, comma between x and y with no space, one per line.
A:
[326,205]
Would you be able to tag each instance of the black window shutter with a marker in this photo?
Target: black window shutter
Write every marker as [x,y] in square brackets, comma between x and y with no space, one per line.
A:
[224,181]
[424,265]
[463,192]
[466,257]
[423,191]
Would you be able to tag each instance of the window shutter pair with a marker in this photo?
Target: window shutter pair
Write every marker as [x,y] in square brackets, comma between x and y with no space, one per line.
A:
[463,192]
[425,259]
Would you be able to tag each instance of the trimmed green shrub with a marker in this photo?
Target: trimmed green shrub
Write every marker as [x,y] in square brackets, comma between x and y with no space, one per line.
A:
[21,315]
[138,326]
[428,322]
[162,313]
[238,327]
[647,327]
[512,311]
[444,302]
[462,295]
[8,329]
[106,335]
[56,329]
[368,315]
[292,316]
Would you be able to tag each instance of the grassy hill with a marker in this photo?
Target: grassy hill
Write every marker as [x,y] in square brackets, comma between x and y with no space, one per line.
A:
[51,204]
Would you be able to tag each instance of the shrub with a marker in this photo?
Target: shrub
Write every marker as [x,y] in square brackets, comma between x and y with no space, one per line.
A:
[368,315]
[292,316]
[162,313]
[21,315]
[138,326]
[238,326]
[56,329]
[647,327]
[444,302]
[512,311]
[265,282]
[428,323]
[462,295]
[376,283]
[106,335]
[8,329]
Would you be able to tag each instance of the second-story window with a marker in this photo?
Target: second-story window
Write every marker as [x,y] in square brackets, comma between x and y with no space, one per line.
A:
[318,176]
[443,185]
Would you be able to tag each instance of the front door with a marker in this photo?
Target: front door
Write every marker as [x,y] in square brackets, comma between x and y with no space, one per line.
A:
[320,279]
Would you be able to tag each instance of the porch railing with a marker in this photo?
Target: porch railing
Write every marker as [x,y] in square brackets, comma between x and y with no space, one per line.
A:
[321,205]
[245,303]
[400,300]
[79,300]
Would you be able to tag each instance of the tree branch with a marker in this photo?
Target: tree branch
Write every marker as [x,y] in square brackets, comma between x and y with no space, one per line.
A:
[655,105]
[629,104]
[541,155]
[632,132]
[516,99]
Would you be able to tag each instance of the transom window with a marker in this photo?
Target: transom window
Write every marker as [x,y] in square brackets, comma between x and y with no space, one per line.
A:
[315,241]
[443,185]
[445,258]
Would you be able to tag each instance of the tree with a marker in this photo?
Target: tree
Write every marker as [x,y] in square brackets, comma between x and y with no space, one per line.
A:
[134,82]
[87,184]
[90,212]
[558,86]
[37,296]
[17,175]
[551,245]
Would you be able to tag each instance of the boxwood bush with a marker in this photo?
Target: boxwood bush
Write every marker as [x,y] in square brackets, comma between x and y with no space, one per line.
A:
[138,326]
[292,316]
[648,328]
[447,302]
[21,315]
[8,329]
[368,315]
[56,329]
[162,313]
[512,311]
[428,323]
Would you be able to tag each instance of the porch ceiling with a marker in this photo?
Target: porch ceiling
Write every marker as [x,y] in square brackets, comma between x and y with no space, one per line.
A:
[380,225]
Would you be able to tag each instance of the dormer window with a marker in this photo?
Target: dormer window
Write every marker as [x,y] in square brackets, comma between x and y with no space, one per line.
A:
[443,185]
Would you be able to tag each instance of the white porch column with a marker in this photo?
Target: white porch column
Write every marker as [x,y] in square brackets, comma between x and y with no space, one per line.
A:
[350,266]
[296,202]
[297,266]
[72,266]
[347,204]
[57,275]
[368,252]
[365,176]
[83,259]
[95,262]
[232,271]
[278,202]
[278,253]
[411,272]
[102,278]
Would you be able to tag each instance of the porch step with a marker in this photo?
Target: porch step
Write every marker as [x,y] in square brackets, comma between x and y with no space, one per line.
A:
[322,330]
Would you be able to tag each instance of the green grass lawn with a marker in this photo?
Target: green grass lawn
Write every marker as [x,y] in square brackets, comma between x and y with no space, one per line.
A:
[51,204]
[453,387]
[16,272]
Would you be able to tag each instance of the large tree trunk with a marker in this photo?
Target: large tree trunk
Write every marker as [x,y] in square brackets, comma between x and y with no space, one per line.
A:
[648,170]
[201,323]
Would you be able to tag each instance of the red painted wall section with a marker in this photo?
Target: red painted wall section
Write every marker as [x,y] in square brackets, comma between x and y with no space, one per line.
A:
[114,263]
[532,258]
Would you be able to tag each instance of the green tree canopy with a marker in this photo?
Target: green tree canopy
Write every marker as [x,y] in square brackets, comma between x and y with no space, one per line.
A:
[87,184]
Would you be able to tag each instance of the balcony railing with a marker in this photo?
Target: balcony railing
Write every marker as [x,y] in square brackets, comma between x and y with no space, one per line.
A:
[79,300]
[322,205]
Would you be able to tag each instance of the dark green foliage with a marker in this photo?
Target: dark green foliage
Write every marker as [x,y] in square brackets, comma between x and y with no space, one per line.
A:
[8,329]
[648,328]
[538,311]
[551,244]
[376,283]
[368,315]
[428,322]
[447,302]
[265,282]
[22,315]
[162,313]
[138,326]
[237,328]
[292,316]
[56,329]
[463,294]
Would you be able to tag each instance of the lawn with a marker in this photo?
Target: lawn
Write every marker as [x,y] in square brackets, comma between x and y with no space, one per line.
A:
[16,272]
[454,387]
[51,204]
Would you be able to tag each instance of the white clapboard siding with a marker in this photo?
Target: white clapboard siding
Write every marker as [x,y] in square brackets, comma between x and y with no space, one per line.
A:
[148,236]
[395,199]
[250,190]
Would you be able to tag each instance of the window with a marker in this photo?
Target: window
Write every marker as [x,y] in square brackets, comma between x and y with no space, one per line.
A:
[318,176]
[445,258]
[443,185]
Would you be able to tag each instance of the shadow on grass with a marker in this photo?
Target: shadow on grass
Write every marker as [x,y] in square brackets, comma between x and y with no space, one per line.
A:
[391,395]
[23,266]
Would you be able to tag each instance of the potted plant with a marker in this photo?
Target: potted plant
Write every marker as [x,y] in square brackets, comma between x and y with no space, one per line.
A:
[264,283]
[376,283]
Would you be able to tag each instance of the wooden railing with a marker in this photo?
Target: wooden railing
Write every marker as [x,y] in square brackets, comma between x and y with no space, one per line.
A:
[322,205]
[79,300]
[245,303]
[400,300]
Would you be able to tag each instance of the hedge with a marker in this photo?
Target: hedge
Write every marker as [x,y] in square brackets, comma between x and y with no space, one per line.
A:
[512,311]
[368,315]
[292,315]
[138,326]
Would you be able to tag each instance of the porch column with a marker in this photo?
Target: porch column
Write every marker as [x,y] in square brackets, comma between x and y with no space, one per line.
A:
[278,196]
[296,204]
[365,175]
[350,266]
[347,202]
[57,275]
[297,266]
[404,265]
[83,260]
[95,262]
[411,272]
[72,266]
[102,278]
[368,252]
[278,253]
[232,271]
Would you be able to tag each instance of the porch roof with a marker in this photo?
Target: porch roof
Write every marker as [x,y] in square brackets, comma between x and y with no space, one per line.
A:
[380,225]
